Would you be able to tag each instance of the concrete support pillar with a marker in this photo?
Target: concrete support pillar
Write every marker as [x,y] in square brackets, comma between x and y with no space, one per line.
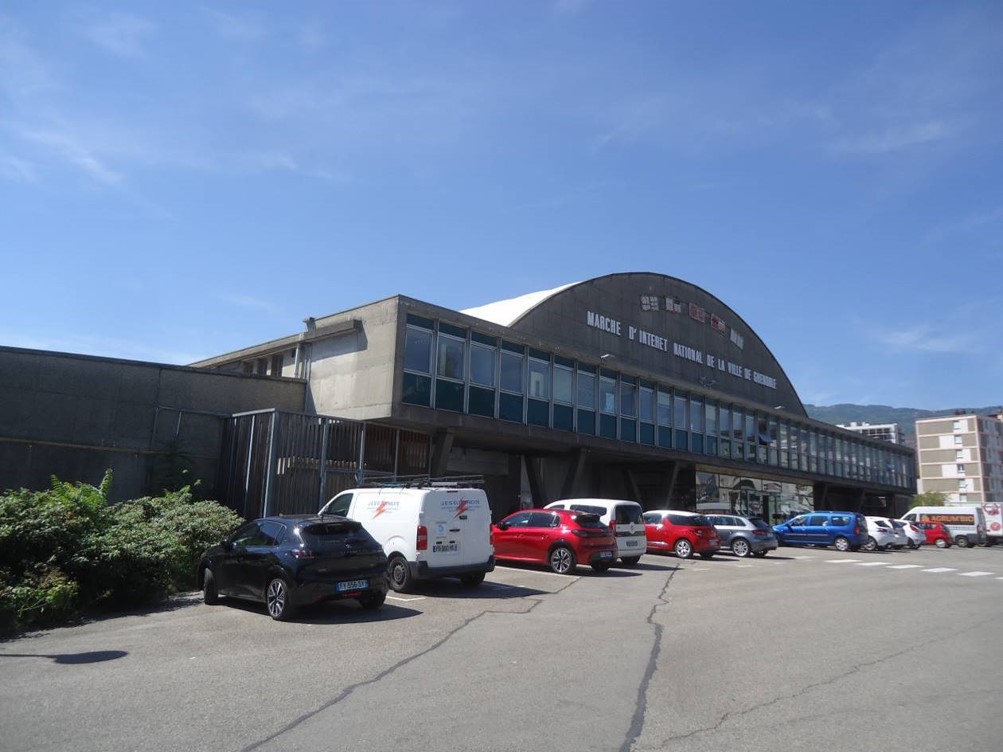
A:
[630,483]
[577,466]
[442,445]
[536,486]
[669,485]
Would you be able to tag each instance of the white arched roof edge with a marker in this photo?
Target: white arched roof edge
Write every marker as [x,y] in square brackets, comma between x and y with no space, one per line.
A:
[507,312]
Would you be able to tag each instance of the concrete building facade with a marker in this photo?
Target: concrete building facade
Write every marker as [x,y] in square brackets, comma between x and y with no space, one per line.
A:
[961,456]
[890,432]
[634,385]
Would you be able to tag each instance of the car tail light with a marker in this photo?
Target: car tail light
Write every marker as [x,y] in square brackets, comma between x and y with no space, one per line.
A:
[303,553]
[422,541]
[759,533]
[700,532]
[612,526]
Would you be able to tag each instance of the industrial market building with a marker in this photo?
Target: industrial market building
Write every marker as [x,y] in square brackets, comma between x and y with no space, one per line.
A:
[633,385]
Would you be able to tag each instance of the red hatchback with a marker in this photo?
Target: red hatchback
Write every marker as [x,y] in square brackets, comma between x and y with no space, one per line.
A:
[560,538]
[683,533]
[937,534]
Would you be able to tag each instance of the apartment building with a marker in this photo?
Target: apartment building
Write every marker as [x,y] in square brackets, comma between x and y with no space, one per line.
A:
[890,432]
[962,457]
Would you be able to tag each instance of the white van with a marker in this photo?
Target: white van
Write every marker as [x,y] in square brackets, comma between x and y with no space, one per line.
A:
[428,531]
[625,519]
[967,522]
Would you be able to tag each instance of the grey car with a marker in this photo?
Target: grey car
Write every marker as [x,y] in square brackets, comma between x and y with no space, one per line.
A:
[744,535]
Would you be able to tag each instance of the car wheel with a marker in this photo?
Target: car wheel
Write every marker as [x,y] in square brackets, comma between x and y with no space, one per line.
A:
[210,596]
[399,574]
[941,543]
[740,547]
[372,601]
[842,544]
[601,566]
[562,560]
[683,548]
[630,560]
[962,541]
[871,545]
[472,580]
[277,600]
[759,554]
[913,545]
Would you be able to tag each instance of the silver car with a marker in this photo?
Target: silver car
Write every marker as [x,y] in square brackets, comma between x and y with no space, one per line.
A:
[744,535]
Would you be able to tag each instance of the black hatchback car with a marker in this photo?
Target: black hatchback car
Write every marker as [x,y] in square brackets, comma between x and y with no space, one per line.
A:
[288,562]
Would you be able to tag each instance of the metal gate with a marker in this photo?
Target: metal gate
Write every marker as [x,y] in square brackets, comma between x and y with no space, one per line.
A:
[276,462]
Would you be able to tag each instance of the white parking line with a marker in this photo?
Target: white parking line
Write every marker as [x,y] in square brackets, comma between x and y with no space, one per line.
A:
[938,570]
[906,566]
[976,574]
[871,564]
[841,561]
[405,600]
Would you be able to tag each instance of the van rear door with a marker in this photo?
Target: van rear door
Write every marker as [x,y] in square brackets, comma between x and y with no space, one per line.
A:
[458,521]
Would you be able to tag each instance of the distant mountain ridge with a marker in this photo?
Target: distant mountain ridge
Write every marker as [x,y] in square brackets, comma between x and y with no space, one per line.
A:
[906,417]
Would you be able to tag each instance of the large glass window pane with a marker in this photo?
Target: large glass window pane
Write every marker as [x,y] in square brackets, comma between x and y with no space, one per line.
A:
[482,365]
[564,384]
[481,401]
[564,417]
[418,350]
[586,391]
[510,407]
[450,360]
[448,395]
[539,379]
[664,408]
[696,416]
[680,414]
[512,378]
[628,399]
[538,413]
[417,390]
[607,395]
[587,422]
[646,404]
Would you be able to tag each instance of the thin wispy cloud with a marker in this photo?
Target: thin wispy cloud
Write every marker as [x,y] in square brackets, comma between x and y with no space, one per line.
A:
[895,139]
[63,145]
[233,26]
[17,170]
[926,338]
[122,35]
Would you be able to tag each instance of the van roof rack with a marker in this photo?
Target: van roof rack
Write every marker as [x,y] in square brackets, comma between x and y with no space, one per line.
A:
[425,481]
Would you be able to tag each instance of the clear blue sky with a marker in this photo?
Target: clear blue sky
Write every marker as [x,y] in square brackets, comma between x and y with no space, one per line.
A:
[179,180]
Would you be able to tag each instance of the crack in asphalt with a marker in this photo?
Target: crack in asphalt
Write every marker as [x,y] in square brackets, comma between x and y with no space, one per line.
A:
[811,687]
[641,708]
[349,690]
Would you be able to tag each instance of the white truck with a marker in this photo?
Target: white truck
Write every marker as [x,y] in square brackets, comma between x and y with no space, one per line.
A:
[432,530]
[967,522]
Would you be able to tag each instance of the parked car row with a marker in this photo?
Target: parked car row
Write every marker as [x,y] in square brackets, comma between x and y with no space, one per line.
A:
[365,541]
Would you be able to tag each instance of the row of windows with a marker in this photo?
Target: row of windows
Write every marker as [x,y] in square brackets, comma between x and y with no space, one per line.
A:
[449,368]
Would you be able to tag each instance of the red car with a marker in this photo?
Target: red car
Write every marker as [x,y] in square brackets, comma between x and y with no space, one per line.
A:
[937,534]
[683,533]
[560,538]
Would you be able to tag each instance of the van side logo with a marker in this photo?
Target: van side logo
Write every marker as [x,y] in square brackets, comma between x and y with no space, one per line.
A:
[462,508]
[382,507]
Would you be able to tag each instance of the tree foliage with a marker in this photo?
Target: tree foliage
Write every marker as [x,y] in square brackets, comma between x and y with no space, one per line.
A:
[929,499]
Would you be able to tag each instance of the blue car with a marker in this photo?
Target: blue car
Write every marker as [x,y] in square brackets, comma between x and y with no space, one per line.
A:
[847,531]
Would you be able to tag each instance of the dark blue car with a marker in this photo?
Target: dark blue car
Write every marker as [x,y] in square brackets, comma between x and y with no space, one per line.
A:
[847,531]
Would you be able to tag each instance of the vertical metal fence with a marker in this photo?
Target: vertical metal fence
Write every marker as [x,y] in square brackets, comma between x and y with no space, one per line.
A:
[277,462]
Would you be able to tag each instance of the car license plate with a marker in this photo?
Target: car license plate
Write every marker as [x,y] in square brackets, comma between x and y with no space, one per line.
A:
[344,587]
[632,544]
[605,554]
[445,548]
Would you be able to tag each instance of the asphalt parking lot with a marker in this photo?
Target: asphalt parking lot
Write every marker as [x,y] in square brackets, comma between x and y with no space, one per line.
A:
[804,649]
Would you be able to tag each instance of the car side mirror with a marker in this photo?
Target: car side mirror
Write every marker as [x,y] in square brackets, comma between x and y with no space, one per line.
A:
[502,526]
[227,544]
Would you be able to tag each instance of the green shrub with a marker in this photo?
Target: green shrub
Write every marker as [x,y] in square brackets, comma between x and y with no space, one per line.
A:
[67,548]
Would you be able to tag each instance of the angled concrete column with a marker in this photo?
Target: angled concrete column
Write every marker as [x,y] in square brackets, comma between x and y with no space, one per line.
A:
[536,482]
[669,484]
[630,481]
[442,445]
[575,469]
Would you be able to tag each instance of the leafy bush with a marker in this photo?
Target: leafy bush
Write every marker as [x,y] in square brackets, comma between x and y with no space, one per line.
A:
[67,549]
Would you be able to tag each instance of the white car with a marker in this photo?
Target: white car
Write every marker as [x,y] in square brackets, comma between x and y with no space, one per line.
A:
[880,534]
[916,536]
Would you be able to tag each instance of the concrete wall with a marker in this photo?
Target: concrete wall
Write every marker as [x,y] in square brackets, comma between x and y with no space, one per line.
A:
[75,416]
[352,374]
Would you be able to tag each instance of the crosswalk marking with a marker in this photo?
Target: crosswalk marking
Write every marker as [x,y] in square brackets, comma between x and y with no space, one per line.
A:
[976,574]
[906,566]
[938,570]
[871,564]
[841,561]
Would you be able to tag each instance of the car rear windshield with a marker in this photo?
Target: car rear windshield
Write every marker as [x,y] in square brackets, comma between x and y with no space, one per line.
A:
[628,513]
[319,534]
[683,519]
[587,519]
[588,508]
[761,524]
